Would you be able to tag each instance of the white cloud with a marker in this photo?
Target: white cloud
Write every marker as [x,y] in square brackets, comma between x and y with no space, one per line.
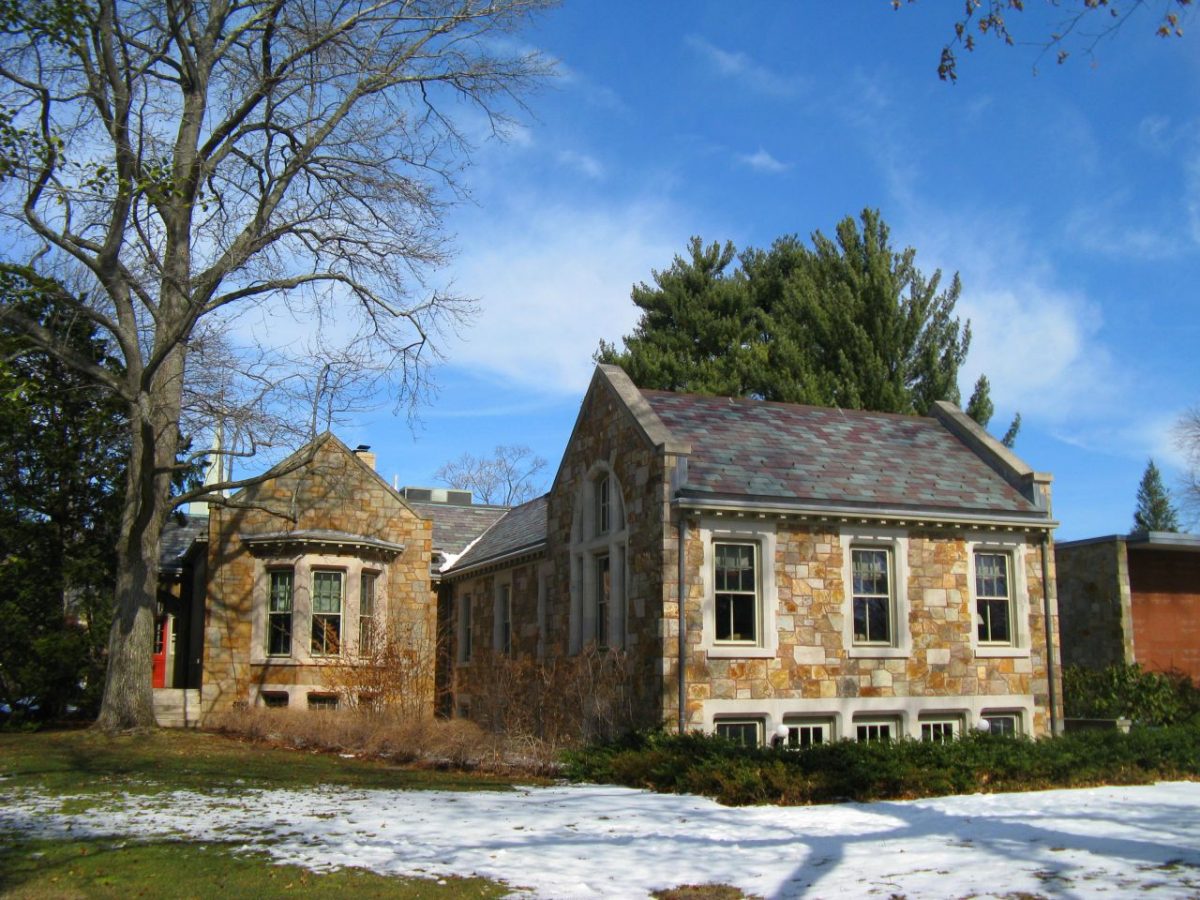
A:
[1191,179]
[744,69]
[1109,227]
[1038,345]
[1154,133]
[583,163]
[552,283]
[762,161]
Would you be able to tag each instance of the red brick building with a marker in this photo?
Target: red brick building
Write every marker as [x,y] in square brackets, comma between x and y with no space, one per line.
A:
[1131,599]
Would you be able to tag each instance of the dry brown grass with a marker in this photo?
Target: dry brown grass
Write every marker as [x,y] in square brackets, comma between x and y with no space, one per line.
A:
[382,734]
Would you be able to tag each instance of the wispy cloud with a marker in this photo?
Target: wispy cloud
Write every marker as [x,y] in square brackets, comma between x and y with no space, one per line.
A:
[582,163]
[1110,227]
[762,161]
[553,282]
[746,70]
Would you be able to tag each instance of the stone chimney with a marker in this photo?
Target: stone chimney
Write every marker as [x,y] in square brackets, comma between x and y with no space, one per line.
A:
[363,452]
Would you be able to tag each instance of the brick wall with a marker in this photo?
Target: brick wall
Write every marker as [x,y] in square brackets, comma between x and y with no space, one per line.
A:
[1165,591]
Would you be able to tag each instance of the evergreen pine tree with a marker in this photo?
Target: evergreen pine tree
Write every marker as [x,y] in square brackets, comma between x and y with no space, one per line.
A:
[1154,510]
[845,321]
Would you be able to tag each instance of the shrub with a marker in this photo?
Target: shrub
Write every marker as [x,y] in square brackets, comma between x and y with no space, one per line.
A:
[1129,692]
[906,769]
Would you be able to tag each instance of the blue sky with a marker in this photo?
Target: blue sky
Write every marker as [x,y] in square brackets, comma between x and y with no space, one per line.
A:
[1069,202]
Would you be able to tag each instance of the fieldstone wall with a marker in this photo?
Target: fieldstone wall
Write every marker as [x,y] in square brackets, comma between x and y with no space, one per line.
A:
[335,491]
[607,432]
[812,661]
[1094,604]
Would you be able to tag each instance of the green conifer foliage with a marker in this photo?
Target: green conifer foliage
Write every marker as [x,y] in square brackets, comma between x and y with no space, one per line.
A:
[845,321]
[1154,510]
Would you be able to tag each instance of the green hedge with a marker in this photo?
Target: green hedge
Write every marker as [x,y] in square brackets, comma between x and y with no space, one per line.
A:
[846,770]
[1129,692]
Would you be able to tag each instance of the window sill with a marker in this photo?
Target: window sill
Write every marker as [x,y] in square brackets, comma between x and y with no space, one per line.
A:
[878,653]
[735,651]
[1001,652]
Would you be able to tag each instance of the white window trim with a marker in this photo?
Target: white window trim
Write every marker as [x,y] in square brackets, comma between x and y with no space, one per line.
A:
[896,541]
[954,720]
[828,723]
[498,591]
[1015,549]
[463,613]
[715,531]
[894,721]
[543,591]
[758,722]
[842,711]
[374,619]
[587,544]
[303,566]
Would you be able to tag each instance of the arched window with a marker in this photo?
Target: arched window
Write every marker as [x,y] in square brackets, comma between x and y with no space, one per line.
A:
[598,570]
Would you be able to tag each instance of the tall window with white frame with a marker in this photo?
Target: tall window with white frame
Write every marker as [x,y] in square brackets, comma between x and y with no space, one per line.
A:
[366,614]
[279,613]
[735,577]
[603,610]
[598,547]
[327,596]
[872,595]
[993,598]
[603,500]
[464,628]
[504,619]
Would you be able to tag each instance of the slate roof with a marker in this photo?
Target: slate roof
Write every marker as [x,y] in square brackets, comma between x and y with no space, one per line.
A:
[454,527]
[178,538]
[783,452]
[523,528]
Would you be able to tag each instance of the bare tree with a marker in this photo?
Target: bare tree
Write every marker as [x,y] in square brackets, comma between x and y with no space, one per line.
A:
[1187,439]
[507,478]
[1077,24]
[251,192]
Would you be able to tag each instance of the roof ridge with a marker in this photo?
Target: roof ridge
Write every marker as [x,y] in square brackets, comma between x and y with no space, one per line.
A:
[844,410]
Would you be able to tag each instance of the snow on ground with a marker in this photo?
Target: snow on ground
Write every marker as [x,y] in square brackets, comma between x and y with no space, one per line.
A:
[593,841]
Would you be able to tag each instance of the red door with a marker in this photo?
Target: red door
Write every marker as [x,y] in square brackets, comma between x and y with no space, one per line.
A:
[158,676]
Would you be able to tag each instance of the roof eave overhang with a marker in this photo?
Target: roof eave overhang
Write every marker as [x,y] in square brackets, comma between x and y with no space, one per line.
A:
[504,560]
[844,515]
[339,544]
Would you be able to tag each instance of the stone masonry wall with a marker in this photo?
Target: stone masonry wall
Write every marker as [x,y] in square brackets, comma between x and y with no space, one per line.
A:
[812,662]
[607,432]
[1094,604]
[336,492]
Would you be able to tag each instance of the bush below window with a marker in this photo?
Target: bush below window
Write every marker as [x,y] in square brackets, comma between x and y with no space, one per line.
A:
[877,770]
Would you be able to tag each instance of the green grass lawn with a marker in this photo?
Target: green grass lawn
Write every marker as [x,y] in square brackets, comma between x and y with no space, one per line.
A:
[90,765]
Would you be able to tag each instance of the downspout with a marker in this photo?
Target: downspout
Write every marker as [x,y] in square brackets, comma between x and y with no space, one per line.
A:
[1055,725]
[682,665]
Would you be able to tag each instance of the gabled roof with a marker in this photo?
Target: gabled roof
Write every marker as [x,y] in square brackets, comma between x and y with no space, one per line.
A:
[455,527]
[521,532]
[179,535]
[847,459]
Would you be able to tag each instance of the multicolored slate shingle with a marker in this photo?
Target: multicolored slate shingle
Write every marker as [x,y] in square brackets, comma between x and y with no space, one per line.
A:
[522,528]
[784,452]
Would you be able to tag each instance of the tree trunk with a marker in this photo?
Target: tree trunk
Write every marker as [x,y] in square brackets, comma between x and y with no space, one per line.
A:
[128,702]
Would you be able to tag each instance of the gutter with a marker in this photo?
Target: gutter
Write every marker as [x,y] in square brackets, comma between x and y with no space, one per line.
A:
[1055,725]
[906,517]
[682,665]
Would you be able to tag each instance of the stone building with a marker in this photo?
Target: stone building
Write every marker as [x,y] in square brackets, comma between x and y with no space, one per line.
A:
[275,596]
[1133,598]
[844,574]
